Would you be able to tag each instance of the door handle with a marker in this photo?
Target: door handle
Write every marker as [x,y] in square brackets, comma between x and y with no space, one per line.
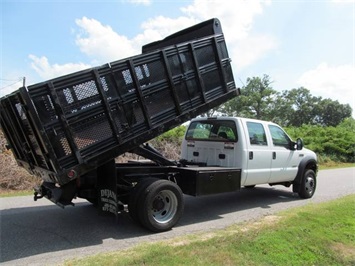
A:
[221,156]
[274,155]
[251,155]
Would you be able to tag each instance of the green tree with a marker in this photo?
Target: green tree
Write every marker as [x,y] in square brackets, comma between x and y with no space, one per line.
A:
[295,107]
[331,113]
[298,106]
[255,101]
[336,143]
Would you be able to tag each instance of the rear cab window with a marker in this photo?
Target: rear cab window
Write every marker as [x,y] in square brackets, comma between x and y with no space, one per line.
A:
[212,130]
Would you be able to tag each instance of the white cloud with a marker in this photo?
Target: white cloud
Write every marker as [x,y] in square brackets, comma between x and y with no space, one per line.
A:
[161,27]
[139,2]
[47,71]
[334,82]
[237,19]
[103,44]
[251,49]
[236,16]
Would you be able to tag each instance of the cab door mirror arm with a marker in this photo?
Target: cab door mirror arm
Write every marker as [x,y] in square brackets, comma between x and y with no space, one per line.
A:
[298,145]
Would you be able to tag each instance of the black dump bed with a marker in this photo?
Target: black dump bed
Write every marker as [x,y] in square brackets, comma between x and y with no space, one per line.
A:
[67,126]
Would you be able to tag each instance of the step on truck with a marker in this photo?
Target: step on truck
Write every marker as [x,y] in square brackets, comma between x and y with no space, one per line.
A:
[69,130]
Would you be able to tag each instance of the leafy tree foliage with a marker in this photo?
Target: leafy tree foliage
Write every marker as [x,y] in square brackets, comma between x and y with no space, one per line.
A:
[255,101]
[293,107]
[331,113]
[336,143]
[174,135]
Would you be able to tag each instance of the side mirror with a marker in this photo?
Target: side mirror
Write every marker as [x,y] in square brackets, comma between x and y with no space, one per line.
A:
[299,144]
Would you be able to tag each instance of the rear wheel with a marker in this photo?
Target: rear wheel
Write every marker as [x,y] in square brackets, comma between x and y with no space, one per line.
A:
[308,185]
[160,206]
[135,196]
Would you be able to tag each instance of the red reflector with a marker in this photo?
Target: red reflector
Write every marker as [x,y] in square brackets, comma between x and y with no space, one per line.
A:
[72,174]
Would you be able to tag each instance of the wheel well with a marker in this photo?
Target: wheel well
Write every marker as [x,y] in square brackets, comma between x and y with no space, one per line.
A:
[313,166]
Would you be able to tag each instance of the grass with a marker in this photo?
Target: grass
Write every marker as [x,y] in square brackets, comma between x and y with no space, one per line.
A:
[317,234]
[335,165]
[15,193]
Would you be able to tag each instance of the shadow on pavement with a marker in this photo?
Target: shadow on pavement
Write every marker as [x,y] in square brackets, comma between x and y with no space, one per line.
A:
[35,230]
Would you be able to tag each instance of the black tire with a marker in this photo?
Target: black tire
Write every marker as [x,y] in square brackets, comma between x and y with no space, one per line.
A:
[250,187]
[308,185]
[136,193]
[161,206]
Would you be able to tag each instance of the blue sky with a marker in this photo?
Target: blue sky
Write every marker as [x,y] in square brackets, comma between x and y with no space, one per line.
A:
[296,43]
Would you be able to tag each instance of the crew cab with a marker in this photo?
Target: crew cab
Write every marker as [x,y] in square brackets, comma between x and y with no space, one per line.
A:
[262,150]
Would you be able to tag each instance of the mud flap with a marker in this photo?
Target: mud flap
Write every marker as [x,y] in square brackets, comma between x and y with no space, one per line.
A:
[107,188]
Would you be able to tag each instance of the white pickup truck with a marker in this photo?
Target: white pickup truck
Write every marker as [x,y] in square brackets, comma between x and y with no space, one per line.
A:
[262,150]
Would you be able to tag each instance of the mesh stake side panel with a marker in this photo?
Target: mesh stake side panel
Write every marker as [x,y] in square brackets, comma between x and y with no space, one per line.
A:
[94,115]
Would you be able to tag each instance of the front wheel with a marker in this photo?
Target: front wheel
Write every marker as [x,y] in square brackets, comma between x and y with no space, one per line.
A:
[161,206]
[308,185]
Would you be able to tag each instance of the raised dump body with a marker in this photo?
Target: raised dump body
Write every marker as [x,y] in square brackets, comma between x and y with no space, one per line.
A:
[65,127]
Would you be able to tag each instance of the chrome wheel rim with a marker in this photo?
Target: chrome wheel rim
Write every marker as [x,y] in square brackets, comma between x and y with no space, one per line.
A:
[309,184]
[164,206]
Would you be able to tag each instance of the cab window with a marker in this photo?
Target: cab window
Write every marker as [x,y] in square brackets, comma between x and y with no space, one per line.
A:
[279,137]
[212,130]
[257,134]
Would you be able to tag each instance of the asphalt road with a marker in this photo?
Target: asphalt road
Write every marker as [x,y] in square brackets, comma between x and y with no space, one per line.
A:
[40,233]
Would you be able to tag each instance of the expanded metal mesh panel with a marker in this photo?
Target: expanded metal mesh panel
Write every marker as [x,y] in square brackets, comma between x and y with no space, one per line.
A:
[119,118]
[205,55]
[211,79]
[44,105]
[77,97]
[64,148]
[18,129]
[222,48]
[61,146]
[187,91]
[160,102]
[181,63]
[184,77]
[135,108]
[91,130]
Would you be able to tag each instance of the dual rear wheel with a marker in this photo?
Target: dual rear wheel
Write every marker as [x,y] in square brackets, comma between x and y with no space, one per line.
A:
[156,204]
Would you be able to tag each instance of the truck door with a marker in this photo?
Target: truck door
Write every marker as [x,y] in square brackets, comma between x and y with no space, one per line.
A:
[212,142]
[285,161]
[258,155]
